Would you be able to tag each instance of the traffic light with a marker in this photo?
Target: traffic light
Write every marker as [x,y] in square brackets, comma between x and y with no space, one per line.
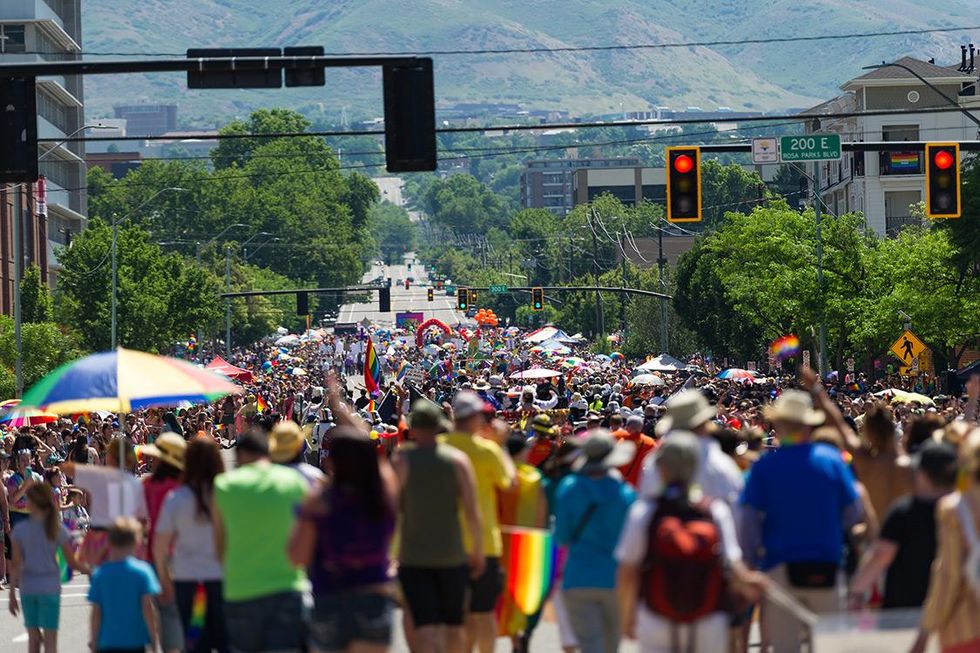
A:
[410,116]
[302,303]
[18,130]
[248,73]
[537,299]
[384,299]
[943,180]
[304,73]
[683,184]
[430,294]
[473,297]
[462,299]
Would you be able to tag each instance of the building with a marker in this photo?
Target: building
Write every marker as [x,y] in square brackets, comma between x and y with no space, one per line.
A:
[53,209]
[148,119]
[630,185]
[883,185]
[118,164]
[547,183]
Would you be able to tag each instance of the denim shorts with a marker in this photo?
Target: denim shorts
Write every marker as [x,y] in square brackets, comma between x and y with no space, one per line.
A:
[41,610]
[270,623]
[342,618]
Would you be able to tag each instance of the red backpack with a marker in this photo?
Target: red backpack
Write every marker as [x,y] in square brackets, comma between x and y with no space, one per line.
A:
[683,577]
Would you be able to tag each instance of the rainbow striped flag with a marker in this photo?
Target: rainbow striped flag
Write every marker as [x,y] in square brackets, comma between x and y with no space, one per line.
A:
[903,160]
[402,371]
[260,405]
[530,567]
[785,348]
[64,570]
[372,370]
[199,613]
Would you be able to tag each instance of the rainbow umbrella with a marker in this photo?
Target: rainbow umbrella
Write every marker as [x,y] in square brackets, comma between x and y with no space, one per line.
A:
[616,356]
[122,381]
[17,417]
[736,373]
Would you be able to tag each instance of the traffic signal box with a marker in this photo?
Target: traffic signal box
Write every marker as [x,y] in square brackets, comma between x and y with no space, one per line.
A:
[537,299]
[943,180]
[302,303]
[683,184]
[430,294]
[462,299]
[384,299]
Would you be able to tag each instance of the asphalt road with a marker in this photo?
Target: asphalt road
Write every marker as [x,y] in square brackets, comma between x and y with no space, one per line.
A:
[414,299]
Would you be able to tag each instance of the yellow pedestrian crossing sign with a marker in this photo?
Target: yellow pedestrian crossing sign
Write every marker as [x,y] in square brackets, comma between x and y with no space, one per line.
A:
[908,347]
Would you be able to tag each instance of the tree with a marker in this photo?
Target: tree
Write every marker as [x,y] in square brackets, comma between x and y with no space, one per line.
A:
[35,298]
[236,151]
[392,230]
[463,204]
[45,346]
[728,188]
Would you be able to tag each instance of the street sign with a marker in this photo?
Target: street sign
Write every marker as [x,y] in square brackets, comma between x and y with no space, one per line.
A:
[812,147]
[765,150]
[907,348]
[498,289]
[924,361]
[915,364]
[850,364]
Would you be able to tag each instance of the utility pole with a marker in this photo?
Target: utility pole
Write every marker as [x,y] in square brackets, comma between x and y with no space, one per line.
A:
[228,301]
[622,298]
[822,333]
[662,280]
[18,261]
[595,279]
[115,231]
[200,334]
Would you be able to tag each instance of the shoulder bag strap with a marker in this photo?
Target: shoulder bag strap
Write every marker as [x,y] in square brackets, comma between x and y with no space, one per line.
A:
[582,522]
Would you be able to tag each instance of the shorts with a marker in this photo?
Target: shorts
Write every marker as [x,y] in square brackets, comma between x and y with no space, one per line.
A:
[485,590]
[171,628]
[435,595]
[342,618]
[41,610]
[276,622]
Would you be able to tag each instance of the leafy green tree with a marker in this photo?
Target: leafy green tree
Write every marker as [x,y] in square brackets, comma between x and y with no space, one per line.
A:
[463,204]
[45,346]
[236,151]
[35,298]
[392,230]
[727,188]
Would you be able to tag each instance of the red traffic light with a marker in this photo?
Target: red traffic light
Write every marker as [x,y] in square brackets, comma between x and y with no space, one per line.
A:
[683,164]
[943,159]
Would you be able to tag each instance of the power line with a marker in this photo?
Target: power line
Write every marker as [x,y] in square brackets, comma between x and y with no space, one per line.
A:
[585,48]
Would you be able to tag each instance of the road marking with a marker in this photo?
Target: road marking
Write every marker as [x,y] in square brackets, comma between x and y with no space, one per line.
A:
[19,638]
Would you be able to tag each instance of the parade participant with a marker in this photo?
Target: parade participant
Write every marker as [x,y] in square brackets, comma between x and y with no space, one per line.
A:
[494,472]
[633,432]
[342,536]
[35,542]
[18,483]
[263,590]
[436,482]
[592,505]
[184,549]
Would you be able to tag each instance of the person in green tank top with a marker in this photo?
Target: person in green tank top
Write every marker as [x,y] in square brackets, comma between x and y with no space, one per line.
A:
[434,569]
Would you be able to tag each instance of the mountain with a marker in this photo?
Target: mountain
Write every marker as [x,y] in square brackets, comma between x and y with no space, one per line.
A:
[759,76]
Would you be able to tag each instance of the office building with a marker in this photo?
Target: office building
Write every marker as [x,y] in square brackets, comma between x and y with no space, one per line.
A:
[547,183]
[148,119]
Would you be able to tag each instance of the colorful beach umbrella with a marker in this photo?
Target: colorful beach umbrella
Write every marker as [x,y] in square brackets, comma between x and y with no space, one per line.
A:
[737,373]
[17,417]
[122,381]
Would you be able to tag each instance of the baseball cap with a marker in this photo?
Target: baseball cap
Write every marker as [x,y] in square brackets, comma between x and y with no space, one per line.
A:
[467,404]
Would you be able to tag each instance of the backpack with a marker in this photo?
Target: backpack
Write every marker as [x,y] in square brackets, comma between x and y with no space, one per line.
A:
[683,577]
[971,561]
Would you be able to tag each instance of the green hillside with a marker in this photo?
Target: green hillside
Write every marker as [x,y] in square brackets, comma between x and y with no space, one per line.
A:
[759,77]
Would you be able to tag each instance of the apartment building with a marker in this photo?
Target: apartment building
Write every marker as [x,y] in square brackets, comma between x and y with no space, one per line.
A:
[548,183]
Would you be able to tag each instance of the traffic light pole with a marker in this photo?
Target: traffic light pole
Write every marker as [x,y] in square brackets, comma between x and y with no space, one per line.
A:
[822,328]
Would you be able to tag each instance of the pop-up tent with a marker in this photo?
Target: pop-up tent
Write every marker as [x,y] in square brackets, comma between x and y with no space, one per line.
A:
[222,366]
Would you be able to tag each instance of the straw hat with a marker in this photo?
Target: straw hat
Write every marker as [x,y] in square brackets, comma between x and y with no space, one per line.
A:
[686,411]
[285,441]
[169,447]
[795,407]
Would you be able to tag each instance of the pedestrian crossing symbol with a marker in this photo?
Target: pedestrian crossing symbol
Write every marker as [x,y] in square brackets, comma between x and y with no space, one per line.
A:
[907,348]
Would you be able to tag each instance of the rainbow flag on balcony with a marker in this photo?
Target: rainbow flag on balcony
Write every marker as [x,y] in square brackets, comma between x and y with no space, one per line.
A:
[903,161]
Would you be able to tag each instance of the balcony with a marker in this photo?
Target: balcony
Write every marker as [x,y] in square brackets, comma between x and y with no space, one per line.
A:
[894,224]
[900,163]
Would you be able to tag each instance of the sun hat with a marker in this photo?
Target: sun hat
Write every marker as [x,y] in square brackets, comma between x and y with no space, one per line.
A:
[795,407]
[168,447]
[285,441]
[542,425]
[685,412]
[466,404]
[679,456]
[599,451]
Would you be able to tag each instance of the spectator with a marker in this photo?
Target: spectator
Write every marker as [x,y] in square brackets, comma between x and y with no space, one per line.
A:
[263,590]
[287,446]
[878,463]
[633,432]
[18,484]
[591,507]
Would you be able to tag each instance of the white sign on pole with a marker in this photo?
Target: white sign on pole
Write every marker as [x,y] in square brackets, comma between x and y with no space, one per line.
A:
[415,375]
[765,150]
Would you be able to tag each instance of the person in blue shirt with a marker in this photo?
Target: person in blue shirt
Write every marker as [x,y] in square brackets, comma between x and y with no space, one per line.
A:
[121,593]
[796,506]
[591,508]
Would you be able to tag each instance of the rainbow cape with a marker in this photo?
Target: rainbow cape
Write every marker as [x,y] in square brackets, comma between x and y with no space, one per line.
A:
[785,348]
[372,369]
[260,405]
[530,567]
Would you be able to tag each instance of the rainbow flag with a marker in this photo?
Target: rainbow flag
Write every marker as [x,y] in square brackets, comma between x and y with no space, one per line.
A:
[785,348]
[903,160]
[63,569]
[530,567]
[199,612]
[260,405]
[372,370]
[402,371]
[371,406]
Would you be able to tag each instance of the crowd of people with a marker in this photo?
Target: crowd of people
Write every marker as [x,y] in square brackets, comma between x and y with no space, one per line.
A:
[678,512]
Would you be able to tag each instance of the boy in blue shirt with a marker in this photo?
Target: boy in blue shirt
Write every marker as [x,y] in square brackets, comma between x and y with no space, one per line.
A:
[121,593]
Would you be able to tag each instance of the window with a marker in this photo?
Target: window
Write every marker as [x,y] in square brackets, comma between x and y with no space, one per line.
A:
[900,133]
[12,39]
[553,178]
[53,111]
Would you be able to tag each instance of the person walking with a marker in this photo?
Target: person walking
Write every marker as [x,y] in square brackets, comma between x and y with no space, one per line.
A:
[436,482]
[633,432]
[494,473]
[678,561]
[35,542]
[187,564]
[592,505]
[343,536]
[797,504]
[253,517]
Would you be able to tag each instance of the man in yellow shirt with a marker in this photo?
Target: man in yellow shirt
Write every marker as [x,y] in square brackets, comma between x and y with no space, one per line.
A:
[494,472]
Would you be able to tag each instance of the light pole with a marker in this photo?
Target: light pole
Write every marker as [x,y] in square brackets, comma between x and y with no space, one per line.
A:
[200,334]
[115,271]
[19,261]
[228,289]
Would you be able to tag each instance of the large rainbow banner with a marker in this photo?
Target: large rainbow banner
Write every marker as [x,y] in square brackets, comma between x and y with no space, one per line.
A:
[372,369]
[531,567]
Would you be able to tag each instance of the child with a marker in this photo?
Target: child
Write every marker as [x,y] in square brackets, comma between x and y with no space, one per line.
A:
[36,541]
[74,515]
[121,594]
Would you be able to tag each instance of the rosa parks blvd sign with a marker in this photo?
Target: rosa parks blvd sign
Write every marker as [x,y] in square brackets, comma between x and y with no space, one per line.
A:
[813,147]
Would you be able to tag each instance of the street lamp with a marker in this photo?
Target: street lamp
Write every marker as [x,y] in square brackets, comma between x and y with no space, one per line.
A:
[200,334]
[115,232]
[19,261]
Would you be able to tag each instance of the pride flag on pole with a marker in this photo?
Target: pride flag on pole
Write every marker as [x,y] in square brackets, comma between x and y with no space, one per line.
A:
[260,405]
[785,348]
[372,369]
